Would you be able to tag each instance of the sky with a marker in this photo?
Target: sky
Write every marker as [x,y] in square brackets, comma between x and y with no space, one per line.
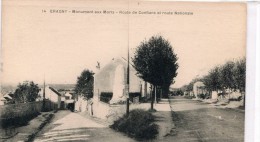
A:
[57,47]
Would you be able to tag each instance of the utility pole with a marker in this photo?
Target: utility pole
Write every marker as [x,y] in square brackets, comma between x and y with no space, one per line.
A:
[127,84]
[127,80]
[43,94]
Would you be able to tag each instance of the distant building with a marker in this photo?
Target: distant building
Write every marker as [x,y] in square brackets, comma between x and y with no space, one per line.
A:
[52,95]
[198,88]
[6,98]
[2,99]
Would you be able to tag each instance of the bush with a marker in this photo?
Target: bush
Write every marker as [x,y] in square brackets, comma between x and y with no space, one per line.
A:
[139,124]
[189,97]
[203,96]
[17,121]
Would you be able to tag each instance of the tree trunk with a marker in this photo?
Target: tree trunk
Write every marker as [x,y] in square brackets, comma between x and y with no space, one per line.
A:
[244,99]
[165,89]
[155,95]
[153,87]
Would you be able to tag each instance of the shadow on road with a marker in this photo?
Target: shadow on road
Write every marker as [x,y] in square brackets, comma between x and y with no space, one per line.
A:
[69,126]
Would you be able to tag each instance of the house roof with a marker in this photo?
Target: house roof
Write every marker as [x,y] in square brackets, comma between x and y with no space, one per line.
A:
[7,96]
[55,91]
[2,99]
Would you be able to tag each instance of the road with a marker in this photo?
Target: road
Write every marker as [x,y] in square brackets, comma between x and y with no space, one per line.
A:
[198,122]
[71,126]
[194,122]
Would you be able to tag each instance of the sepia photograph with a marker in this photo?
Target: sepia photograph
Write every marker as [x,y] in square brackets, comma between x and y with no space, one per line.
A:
[126,71]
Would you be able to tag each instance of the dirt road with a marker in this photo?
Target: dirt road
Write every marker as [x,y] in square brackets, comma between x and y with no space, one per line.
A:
[70,126]
[196,121]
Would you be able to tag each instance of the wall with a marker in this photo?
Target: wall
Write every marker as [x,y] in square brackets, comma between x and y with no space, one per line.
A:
[100,109]
[107,112]
[52,96]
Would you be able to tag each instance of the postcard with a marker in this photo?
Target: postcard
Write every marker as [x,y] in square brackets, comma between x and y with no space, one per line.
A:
[123,70]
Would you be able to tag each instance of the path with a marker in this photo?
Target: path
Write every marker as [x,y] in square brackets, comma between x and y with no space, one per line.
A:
[70,126]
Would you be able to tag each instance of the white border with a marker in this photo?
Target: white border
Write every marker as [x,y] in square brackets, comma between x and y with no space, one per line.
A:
[257,83]
[252,118]
[252,73]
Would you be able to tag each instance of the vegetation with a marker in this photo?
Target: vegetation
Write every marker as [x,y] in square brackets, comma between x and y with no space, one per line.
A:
[189,97]
[203,96]
[17,121]
[156,63]
[85,84]
[189,87]
[138,124]
[178,92]
[26,92]
[231,75]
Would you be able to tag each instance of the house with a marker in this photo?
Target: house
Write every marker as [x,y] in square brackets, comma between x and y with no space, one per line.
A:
[110,83]
[52,95]
[198,88]
[81,105]
[69,101]
[7,98]
[2,100]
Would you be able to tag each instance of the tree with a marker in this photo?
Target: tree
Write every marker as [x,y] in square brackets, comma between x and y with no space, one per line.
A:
[240,74]
[85,84]
[26,92]
[212,80]
[227,76]
[156,63]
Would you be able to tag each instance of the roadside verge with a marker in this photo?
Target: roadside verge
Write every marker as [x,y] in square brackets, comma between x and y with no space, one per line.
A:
[28,132]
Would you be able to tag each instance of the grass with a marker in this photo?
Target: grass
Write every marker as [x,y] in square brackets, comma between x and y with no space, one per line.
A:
[139,124]
[47,117]
[17,121]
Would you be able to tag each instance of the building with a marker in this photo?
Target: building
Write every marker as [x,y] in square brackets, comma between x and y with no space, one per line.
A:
[52,95]
[198,88]
[110,83]
[7,98]
[112,79]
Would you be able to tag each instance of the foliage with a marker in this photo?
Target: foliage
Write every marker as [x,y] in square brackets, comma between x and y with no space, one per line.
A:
[155,61]
[189,97]
[227,75]
[231,75]
[240,74]
[85,84]
[26,92]
[212,81]
[17,121]
[203,96]
[178,92]
[189,87]
[138,124]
